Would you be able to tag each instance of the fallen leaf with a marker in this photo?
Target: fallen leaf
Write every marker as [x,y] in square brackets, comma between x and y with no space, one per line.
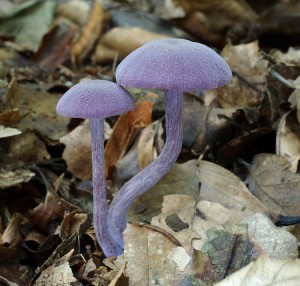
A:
[77,153]
[271,181]
[75,10]
[122,41]
[145,252]
[40,107]
[220,186]
[181,179]
[275,241]
[46,211]
[55,45]
[11,234]
[72,223]
[266,271]
[29,24]
[57,274]
[90,34]
[13,178]
[288,139]
[125,131]
[228,249]
[8,132]
[20,148]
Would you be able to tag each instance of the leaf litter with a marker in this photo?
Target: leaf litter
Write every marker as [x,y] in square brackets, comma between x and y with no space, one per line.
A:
[211,219]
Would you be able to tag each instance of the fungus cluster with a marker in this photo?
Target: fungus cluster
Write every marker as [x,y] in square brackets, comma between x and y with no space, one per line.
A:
[174,65]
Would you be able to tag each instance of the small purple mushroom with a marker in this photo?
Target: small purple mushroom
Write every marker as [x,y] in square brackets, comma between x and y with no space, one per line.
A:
[96,100]
[175,65]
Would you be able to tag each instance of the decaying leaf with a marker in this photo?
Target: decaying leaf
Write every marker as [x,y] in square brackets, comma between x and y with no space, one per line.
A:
[220,186]
[55,46]
[12,235]
[181,179]
[143,249]
[78,153]
[13,178]
[228,249]
[274,184]
[275,241]
[57,274]
[264,272]
[246,87]
[177,216]
[122,41]
[29,24]
[20,148]
[288,139]
[90,34]
[125,131]
[72,223]
[46,211]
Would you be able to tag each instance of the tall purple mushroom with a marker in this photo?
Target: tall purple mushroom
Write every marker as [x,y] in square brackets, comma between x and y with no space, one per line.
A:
[174,65]
[96,100]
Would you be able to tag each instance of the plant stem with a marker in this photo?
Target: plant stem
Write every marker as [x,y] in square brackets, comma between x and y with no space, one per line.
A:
[150,175]
[100,210]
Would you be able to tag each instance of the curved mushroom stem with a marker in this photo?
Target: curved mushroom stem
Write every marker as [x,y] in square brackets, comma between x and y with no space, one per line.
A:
[150,175]
[99,192]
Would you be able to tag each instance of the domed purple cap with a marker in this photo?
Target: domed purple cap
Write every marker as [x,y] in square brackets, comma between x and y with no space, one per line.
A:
[173,64]
[95,99]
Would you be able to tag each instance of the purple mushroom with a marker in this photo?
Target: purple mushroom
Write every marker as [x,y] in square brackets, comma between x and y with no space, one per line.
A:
[96,100]
[174,65]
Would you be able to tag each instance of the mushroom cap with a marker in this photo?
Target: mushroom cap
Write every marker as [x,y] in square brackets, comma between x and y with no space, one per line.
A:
[95,99]
[173,64]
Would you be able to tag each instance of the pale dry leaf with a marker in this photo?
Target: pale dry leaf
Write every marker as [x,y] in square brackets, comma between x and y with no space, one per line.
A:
[266,272]
[181,179]
[56,275]
[208,215]
[13,178]
[246,60]
[274,184]
[276,241]
[145,252]
[177,217]
[180,257]
[11,234]
[8,132]
[122,41]
[221,186]
[288,139]
[71,223]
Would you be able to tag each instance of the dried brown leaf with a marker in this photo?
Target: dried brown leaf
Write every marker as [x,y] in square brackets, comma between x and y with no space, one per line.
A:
[46,211]
[55,46]
[90,34]
[13,178]
[124,132]
[71,223]
[274,184]
[12,235]
[78,153]
[122,41]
